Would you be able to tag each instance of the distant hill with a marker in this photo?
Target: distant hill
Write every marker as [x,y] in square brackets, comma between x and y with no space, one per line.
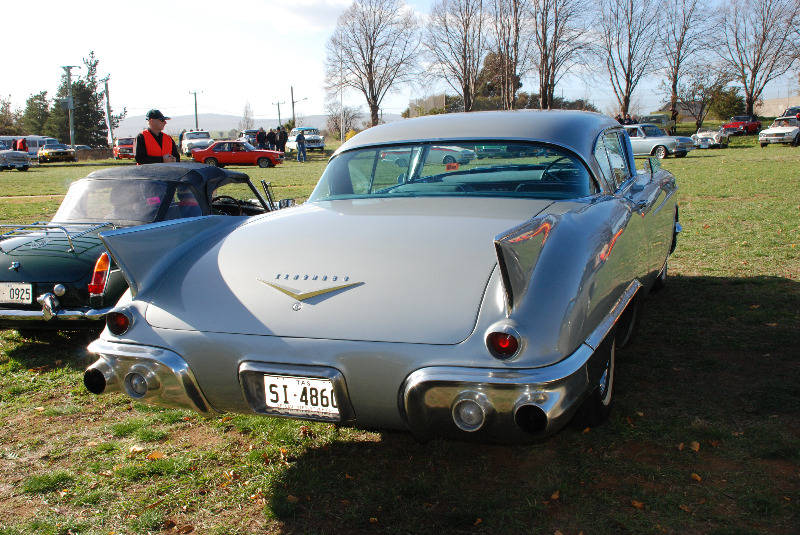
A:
[214,122]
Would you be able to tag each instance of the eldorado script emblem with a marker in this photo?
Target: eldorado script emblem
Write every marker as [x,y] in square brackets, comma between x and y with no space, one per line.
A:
[302,296]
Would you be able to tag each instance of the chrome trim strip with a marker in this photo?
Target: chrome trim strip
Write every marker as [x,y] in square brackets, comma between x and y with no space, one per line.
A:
[250,380]
[177,385]
[598,335]
[60,315]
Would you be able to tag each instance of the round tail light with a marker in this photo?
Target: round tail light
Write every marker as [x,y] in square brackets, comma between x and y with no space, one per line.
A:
[502,345]
[118,323]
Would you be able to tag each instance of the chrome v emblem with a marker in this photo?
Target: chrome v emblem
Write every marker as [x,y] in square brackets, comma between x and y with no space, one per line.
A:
[302,296]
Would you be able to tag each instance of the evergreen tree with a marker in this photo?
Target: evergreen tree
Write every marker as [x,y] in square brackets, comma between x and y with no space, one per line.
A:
[37,110]
[9,119]
[88,115]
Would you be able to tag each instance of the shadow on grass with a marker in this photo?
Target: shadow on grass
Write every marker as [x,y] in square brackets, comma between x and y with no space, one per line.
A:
[714,360]
[46,348]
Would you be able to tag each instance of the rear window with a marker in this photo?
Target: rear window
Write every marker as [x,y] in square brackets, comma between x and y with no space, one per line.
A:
[500,169]
[122,202]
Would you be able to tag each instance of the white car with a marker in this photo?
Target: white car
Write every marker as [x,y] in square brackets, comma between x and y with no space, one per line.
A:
[442,154]
[709,138]
[314,140]
[782,130]
[195,139]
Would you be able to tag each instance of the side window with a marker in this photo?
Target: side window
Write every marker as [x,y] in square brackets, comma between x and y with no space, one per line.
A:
[633,132]
[616,158]
[184,204]
[221,147]
[602,158]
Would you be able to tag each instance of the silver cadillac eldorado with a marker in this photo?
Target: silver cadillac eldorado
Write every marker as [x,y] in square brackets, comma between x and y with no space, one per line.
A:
[650,140]
[481,300]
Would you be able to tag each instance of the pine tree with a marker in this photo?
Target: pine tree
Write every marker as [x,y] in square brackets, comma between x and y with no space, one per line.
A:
[37,110]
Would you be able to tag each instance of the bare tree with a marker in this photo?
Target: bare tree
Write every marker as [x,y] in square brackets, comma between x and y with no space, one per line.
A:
[628,30]
[559,38]
[373,49]
[511,44]
[757,42]
[339,115]
[246,122]
[699,86]
[455,42]
[683,34]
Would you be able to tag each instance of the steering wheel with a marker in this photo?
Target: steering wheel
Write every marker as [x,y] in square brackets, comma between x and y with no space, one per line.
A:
[226,199]
[546,176]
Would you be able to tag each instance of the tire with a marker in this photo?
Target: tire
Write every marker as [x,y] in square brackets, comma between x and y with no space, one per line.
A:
[213,162]
[680,154]
[660,152]
[23,168]
[764,145]
[596,408]
[264,163]
[796,141]
[448,159]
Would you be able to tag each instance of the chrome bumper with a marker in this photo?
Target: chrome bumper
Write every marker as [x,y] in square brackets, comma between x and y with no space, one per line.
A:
[51,310]
[168,379]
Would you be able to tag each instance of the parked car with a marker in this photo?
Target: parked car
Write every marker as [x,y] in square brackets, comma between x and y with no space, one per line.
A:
[662,120]
[57,276]
[782,130]
[650,140]
[57,153]
[248,135]
[82,147]
[484,301]
[13,159]
[123,148]
[443,154]
[222,153]
[740,125]
[314,140]
[34,143]
[709,138]
[791,111]
[195,139]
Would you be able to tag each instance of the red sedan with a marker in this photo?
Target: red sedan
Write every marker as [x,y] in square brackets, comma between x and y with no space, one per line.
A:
[742,125]
[224,153]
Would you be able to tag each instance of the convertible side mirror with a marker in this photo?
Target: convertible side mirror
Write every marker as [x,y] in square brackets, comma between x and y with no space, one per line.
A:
[286,203]
[654,163]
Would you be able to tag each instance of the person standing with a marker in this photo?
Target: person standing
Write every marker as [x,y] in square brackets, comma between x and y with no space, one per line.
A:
[152,144]
[300,139]
[261,138]
[283,137]
[22,145]
[272,140]
[180,137]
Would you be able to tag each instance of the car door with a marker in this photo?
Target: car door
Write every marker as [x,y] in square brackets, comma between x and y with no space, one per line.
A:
[638,142]
[222,152]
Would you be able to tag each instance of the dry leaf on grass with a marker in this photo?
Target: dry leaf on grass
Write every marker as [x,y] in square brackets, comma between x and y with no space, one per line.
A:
[685,508]
[696,477]
[373,520]
[477,521]
[587,430]
[637,504]
[695,445]
[135,449]
[155,455]
[292,498]
[555,495]
[680,446]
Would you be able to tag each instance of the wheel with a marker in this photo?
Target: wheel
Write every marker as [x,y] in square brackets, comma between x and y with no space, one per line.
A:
[448,160]
[764,145]
[226,201]
[680,154]
[264,162]
[211,161]
[596,408]
[660,152]
[796,140]
[23,168]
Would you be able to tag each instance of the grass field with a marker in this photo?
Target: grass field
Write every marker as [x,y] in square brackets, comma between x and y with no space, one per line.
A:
[704,437]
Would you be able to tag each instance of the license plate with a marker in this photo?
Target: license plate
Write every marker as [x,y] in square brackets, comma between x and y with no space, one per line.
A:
[300,396]
[704,145]
[14,292]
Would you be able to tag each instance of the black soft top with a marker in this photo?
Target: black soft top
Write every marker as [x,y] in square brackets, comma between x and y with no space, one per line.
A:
[203,177]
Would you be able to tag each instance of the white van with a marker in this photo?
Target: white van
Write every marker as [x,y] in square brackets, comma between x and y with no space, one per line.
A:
[34,143]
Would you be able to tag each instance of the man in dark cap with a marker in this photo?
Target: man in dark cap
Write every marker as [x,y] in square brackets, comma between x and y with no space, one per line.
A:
[153,145]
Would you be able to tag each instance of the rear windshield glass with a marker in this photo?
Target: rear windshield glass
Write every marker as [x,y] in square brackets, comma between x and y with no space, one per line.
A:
[197,135]
[125,141]
[505,169]
[122,202]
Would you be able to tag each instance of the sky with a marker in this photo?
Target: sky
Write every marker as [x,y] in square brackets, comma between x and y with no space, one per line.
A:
[231,53]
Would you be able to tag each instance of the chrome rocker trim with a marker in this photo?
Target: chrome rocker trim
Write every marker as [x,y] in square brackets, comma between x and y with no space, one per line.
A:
[169,380]
[429,396]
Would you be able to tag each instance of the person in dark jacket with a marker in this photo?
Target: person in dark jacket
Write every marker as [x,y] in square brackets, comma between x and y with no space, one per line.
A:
[282,138]
[272,139]
[300,139]
[153,145]
[261,138]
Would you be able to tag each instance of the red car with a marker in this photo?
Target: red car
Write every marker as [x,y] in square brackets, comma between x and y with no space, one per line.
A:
[123,148]
[222,153]
[740,125]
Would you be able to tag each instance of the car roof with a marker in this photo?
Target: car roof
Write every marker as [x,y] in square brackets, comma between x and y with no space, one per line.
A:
[567,128]
[203,177]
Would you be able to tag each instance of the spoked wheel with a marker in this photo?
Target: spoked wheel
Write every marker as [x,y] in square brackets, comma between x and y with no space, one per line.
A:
[597,406]
[448,159]
[264,162]
[211,161]
[660,152]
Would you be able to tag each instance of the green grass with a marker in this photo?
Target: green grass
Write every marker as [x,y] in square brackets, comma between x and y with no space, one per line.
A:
[714,362]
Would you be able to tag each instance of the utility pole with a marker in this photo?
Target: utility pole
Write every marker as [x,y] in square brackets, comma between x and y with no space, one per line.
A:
[291,90]
[108,113]
[341,101]
[196,127]
[70,102]
[278,104]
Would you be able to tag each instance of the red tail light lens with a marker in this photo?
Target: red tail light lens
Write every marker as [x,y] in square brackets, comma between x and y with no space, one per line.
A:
[118,323]
[502,345]
[100,275]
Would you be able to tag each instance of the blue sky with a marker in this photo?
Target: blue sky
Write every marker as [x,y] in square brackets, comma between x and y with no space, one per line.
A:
[251,53]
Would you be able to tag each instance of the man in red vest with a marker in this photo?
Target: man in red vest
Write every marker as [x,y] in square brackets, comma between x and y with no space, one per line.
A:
[153,145]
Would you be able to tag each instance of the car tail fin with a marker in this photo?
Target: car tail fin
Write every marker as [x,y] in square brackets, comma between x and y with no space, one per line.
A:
[518,251]
[144,253]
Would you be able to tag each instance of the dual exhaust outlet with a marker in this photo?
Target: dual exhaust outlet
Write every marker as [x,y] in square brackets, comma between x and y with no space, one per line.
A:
[471,411]
[139,381]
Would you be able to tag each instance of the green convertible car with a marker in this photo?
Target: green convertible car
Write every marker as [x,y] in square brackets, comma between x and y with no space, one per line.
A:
[57,275]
